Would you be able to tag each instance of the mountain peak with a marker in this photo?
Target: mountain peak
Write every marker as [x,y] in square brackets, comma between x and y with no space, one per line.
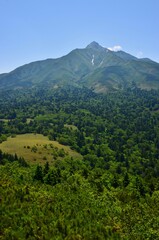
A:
[95,67]
[95,45]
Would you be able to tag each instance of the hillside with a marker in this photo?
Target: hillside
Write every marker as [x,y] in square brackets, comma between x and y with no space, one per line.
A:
[94,67]
[77,165]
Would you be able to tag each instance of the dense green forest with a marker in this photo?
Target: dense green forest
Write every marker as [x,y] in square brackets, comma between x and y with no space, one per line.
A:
[111,193]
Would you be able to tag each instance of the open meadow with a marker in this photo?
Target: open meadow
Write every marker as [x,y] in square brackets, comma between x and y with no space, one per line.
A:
[36,148]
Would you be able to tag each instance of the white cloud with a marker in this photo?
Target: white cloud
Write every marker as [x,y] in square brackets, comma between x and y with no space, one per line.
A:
[139,54]
[115,48]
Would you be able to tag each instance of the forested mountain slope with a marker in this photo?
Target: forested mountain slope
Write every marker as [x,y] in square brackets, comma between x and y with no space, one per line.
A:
[111,192]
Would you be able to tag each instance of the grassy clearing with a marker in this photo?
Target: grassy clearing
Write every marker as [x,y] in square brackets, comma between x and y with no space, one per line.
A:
[36,148]
[7,120]
[29,120]
[4,120]
[72,127]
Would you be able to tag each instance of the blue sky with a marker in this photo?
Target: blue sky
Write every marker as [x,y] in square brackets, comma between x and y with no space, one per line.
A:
[38,29]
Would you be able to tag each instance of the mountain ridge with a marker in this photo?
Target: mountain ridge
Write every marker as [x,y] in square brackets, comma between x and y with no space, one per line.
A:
[95,67]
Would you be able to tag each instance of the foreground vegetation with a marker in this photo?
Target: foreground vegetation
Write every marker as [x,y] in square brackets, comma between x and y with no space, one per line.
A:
[110,193]
[73,201]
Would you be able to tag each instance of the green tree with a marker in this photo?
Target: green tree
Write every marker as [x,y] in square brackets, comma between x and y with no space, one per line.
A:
[126,180]
[38,173]
[46,168]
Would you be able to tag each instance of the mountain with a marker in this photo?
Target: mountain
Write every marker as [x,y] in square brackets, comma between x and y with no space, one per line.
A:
[94,67]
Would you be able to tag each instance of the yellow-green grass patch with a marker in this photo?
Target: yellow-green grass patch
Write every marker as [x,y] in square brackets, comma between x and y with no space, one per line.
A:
[29,120]
[36,148]
[70,126]
[4,120]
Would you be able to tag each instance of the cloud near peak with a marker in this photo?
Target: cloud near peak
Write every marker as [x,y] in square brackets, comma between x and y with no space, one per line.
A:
[139,54]
[115,48]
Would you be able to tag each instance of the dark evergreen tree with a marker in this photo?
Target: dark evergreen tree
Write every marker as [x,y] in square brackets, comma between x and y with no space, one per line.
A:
[126,180]
[46,168]
[38,173]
